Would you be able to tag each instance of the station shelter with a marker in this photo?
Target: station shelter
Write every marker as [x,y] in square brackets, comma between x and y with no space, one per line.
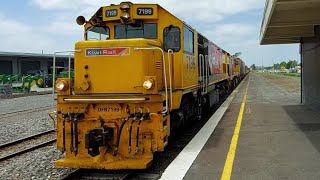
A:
[297,21]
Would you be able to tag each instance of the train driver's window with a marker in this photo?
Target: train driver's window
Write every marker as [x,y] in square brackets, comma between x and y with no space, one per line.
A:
[188,40]
[97,33]
[172,39]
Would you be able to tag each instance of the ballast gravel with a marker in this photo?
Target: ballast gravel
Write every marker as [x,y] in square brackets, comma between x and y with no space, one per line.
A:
[19,126]
[37,164]
[28,102]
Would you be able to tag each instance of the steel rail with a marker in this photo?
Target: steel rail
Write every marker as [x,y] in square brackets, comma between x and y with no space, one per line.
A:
[26,110]
[126,176]
[71,175]
[26,138]
[27,149]
[80,173]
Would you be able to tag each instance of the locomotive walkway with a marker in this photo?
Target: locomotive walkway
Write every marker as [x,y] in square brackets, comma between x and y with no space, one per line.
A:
[264,134]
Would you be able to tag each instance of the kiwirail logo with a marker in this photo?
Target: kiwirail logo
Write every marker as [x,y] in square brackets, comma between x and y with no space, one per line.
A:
[120,51]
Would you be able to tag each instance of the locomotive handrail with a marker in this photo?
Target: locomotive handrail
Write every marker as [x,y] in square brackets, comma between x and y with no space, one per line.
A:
[202,75]
[69,65]
[200,66]
[164,72]
[170,76]
[207,72]
[54,66]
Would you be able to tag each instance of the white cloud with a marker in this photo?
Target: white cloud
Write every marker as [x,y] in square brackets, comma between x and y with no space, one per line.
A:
[18,36]
[58,34]
[194,12]
[61,31]
[62,4]
[204,10]
[64,24]
[231,34]
[244,37]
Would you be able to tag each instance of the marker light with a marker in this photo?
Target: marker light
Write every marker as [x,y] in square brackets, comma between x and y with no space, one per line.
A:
[62,85]
[148,84]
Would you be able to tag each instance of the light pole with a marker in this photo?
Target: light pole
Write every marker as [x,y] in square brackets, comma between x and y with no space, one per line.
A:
[273,65]
[262,64]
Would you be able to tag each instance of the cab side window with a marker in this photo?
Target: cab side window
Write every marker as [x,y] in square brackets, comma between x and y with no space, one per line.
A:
[172,39]
[188,40]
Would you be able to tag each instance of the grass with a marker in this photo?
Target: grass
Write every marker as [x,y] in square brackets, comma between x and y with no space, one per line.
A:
[284,74]
[291,74]
[287,81]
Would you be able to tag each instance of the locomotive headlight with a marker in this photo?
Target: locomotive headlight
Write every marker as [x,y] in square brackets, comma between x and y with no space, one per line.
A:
[62,85]
[125,16]
[148,84]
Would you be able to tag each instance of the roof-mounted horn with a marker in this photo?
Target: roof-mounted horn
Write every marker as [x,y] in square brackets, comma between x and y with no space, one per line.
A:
[81,20]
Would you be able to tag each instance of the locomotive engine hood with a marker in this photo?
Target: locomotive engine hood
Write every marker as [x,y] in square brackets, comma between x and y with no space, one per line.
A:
[117,66]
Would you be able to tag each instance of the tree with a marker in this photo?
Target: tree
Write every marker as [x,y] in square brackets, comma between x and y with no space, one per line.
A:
[253,67]
[295,63]
[291,64]
[237,54]
[268,68]
[283,64]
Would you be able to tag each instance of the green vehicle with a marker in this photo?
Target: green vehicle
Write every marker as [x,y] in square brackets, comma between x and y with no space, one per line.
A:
[45,80]
[42,79]
[25,84]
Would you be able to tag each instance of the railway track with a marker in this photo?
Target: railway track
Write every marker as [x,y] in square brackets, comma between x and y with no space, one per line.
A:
[109,175]
[25,111]
[15,144]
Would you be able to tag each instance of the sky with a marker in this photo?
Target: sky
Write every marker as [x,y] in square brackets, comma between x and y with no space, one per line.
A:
[34,26]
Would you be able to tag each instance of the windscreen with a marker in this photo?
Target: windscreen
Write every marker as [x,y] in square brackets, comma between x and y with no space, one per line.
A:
[148,31]
[98,33]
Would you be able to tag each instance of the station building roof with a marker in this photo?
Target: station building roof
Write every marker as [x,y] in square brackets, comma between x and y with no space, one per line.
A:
[34,55]
[287,21]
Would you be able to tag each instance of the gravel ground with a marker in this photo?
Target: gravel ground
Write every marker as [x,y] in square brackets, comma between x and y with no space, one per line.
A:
[37,164]
[15,127]
[22,103]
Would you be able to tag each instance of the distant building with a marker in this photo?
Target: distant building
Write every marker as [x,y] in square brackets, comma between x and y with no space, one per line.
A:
[21,63]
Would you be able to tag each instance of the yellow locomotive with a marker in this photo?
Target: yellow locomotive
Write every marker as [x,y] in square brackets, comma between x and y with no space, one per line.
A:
[140,73]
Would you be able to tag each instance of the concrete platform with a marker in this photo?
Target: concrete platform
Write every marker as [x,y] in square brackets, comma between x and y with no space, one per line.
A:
[278,138]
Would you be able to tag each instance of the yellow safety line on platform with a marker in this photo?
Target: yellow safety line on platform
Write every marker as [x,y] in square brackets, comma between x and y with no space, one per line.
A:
[227,170]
